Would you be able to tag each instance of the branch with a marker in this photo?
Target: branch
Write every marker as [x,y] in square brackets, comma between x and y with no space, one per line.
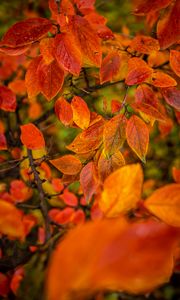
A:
[42,196]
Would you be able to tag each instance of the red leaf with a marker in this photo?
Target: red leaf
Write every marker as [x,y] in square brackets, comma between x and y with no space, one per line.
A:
[89,181]
[85,6]
[86,39]
[168,28]
[51,79]
[64,111]
[146,6]
[3,142]
[175,61]
[31,137]
[7,99]
[144,44]
[110,67]
[14,51]
[31,79]
[137,135]
[172,96]
[67,53]
[138,71]
[26,32]
[149,111]
[144,94]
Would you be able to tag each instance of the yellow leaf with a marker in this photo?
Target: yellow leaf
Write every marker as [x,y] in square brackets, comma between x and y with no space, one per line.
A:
[122,190]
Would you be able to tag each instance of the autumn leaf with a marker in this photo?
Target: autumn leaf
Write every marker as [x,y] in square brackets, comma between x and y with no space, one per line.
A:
[145,94]
[147,6]
[122,190]
[137,135]
[31,137]
[114,134]
[149,110]
[51,78]
[138,71]
[175,61]
[86,39]
[7,99]
[110,67]
[176,174]
[3,141]
[46,47]
[164,203]
[64,111]
[172,96]
[18,87]
[67,164]
[19,191]
[144,44]
[161,79]
[89,140]
[65,7]
[31,78]
[67,53]
[11,220]
[26,32]
[108,165]
[85,6]
[81,112]
[89,181]
[168,27]
[112,255]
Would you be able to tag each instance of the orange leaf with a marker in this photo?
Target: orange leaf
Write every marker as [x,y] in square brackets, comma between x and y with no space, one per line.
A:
[7,99]
[114,134]
[149,111]
[85,6]
[146,6]
[172,96]
[31,137]
[51,78]
[122,190]
[144,44]
[110,67]
[168,28]
[107,165]
[138,71]
[67,164]
[66,8]
[112,255]
[26,32]
[18,87]
[19,191]
[64,111]
[89,140]
[11,220]
[86,39]
[81,113]
[175,61]
[145,94]
[89,181]
[164,203]
[67,53]
[31,78]
[137,135]
[176,174]
[46,47]
[163,80]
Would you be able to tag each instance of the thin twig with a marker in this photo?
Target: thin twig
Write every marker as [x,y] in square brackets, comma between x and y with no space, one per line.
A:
[42,196]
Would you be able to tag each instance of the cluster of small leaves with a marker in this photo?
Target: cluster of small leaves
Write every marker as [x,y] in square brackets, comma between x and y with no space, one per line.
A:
[52,72]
